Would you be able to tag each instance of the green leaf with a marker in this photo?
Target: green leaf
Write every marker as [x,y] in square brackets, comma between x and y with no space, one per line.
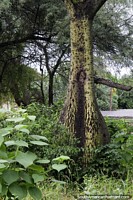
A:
[19,143]
[26,177]
[10,143]
[3,161]
[10,176]
[36,168]
[5,131]
[18,191]
[26,159]
[40,143]
[37,178]
[4,190]
[59,167]
[3,153]
[31,117]
[39,137]
[22,110]
[35,193]
[25,130]
[19,119]
[2,166]
[22,128]
[43,161]
[1,139]
[61,158]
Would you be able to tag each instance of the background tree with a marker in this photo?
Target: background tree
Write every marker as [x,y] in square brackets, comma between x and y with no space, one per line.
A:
[46,38]
[125,100]
[104,99]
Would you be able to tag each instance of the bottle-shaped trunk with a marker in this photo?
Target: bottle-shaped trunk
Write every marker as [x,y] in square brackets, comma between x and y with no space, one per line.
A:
[81,114]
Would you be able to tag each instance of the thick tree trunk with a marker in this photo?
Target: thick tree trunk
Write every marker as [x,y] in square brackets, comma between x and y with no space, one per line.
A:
[81,114]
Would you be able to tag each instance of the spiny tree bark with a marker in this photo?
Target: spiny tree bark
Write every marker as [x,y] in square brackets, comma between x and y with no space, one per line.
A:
[81,114]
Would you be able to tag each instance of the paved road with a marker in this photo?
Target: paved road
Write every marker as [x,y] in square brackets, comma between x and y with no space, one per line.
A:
[124,113]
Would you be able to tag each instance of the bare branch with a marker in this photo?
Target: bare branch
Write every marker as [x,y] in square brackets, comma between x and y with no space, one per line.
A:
[59,59]
[24,39]
[112,84]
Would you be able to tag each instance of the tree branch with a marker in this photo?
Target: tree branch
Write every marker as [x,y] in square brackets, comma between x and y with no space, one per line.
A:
[98,5]
[24,39]
[59,59]
[112,84]
[44,48]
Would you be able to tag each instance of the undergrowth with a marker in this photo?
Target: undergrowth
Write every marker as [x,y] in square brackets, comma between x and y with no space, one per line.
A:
[110,170]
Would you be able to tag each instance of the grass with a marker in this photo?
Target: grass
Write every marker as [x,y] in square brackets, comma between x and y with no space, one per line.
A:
[97,187]
[103,185]
[52,191]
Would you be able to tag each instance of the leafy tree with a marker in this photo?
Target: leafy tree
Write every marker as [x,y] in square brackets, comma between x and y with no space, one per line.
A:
[45,42]
[21,83]
[125,100]
[104,98]
[112,35]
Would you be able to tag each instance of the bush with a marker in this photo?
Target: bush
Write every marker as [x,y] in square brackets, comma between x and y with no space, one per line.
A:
[109,159]
[116,158]
[60,139]
[47,123]
[21,169]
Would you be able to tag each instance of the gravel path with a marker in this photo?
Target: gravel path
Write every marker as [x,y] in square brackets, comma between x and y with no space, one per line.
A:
[124,113]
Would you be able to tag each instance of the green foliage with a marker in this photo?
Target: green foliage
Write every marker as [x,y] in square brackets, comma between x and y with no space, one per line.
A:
[125,100]
[60,140]
[116,158]
[20,83]
[21,169]
[115,126]
[32,149]
[103,98]
[109,159]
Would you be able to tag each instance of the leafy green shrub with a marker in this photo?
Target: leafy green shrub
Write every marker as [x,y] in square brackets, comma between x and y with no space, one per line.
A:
[60,139]
[47,123]
[21,169]
[107,159]
[116,158]
[117,125]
